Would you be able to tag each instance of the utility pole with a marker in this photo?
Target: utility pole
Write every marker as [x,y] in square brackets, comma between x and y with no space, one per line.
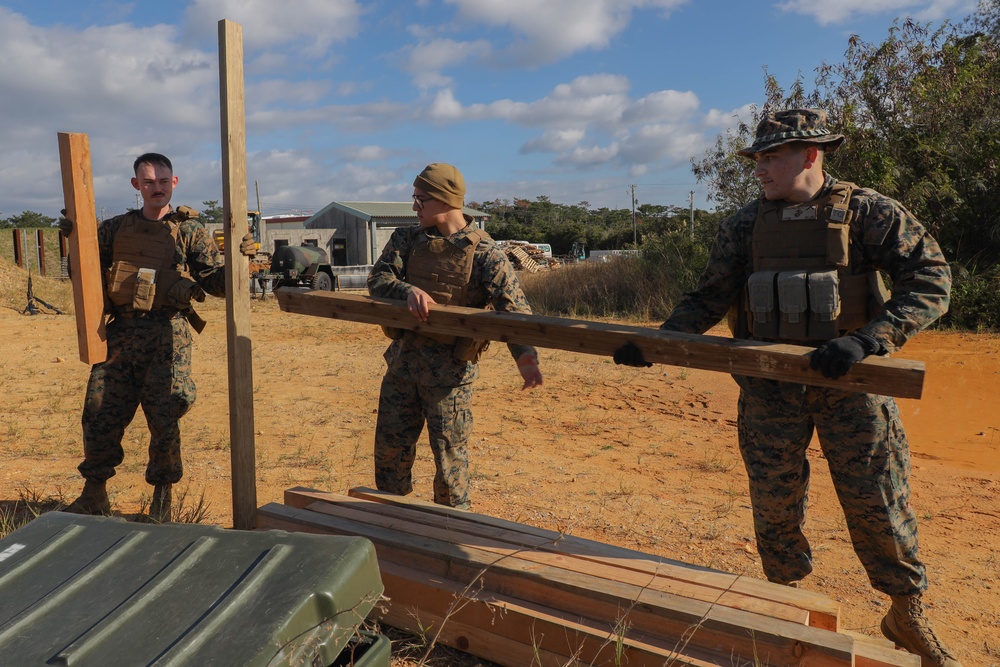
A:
[635,237]
[691,224]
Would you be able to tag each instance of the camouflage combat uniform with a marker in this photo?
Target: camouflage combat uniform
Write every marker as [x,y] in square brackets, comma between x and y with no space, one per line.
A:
[148,364]
[425,382]
[860,434]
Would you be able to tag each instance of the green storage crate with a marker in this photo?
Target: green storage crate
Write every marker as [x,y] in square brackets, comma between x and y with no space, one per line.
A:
[79,590]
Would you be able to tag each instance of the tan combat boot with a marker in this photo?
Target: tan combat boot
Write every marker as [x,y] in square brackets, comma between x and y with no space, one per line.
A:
[159,506]
[93,500]
[909,628]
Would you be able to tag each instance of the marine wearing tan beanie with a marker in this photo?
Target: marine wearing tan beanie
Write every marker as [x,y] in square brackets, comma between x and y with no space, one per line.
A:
[443,182]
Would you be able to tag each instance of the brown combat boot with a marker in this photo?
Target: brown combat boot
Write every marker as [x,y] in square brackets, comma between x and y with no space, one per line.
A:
[909,628]
[159,506]
[93,500]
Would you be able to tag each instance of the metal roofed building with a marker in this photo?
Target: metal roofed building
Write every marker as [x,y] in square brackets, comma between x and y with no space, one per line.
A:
[354,233]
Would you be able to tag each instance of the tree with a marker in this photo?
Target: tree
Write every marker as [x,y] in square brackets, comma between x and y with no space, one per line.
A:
[27,220]
[212,213]
[921,112]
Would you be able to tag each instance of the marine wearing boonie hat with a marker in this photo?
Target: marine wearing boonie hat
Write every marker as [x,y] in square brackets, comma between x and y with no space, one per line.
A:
[782,127]
[443,182]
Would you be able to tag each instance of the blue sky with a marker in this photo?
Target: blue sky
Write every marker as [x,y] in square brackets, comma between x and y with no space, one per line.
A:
[347,100]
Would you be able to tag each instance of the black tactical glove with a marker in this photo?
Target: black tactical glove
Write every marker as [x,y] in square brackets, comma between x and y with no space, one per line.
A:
[629,354]
[248,246]
[65,224]
[835,357]
[183,292]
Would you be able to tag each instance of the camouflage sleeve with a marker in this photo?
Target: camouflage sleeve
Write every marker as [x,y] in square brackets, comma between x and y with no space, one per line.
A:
[893,241]
[494,282]
[386,277]
[204,261]
[722,281]
[106,232]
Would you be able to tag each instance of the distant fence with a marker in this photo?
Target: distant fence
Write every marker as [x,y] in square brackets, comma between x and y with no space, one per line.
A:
[36,249]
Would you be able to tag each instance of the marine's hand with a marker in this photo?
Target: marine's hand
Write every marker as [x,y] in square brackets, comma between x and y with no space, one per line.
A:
[183,292]
[835,357]
[65,224]
[527,364]
[629,354]
[419,302]
[248,246]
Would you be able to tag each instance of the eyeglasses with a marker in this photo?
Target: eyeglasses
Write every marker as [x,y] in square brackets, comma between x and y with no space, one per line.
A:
[420,201]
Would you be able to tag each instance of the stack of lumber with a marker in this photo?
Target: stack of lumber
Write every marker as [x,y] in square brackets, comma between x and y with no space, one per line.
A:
[519,595]
[524,257]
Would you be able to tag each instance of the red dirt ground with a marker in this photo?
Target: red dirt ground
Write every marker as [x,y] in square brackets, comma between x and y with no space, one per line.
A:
[646,459]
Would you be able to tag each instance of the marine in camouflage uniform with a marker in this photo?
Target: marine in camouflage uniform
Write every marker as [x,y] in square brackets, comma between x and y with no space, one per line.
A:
[426,380]
[148,364]
[861,435]
[149,347]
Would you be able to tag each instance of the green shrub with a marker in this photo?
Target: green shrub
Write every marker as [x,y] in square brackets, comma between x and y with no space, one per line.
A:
[975,300]
[643,287]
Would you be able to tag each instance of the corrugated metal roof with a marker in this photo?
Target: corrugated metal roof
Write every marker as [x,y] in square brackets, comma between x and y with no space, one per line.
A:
[390,209]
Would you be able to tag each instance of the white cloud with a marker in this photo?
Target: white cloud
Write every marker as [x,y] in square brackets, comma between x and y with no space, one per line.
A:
[313,24]
[556,28]
[426,60]
[660,106]
[841,11]
[554,141]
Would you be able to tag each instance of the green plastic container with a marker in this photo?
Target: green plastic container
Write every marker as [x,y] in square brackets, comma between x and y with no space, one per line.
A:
[79,591]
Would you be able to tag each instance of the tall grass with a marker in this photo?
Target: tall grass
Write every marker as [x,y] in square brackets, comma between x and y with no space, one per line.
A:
[52,289]
[643,288]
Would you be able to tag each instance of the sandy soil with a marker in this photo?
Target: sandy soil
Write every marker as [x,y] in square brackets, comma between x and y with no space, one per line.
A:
[645,459]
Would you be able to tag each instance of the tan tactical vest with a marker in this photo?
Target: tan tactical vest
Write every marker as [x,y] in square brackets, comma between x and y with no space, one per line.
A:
[443,269]
[802,287]
[143,268]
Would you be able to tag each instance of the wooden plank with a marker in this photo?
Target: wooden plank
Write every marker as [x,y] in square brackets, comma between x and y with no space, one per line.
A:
[18,241]
[878,652]
[651,613]
[40,249]
[234,206]
[788,363]
[84,257]
[823,612]
[535,550]
[413,595]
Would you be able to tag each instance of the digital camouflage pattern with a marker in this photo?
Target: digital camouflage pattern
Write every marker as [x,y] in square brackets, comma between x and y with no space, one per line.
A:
[148,364]
[195,249]
[782,127]
[424,382]
[869,459]
[861,435]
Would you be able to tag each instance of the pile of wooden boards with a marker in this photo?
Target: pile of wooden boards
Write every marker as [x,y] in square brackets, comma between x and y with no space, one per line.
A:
[523,256]
[519,595]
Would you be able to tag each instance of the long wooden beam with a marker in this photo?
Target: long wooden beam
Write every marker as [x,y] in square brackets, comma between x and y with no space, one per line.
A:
[789,363]
[704,626]
[84,259]
[823,612]
[234,205]
[542,551]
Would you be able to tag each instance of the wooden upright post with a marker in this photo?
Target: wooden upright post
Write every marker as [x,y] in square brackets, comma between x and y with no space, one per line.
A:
[234,205]
[40,243]
[84,258]
[18,248]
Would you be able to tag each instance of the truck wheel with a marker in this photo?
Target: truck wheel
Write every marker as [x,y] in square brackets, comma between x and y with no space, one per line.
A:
[322,281]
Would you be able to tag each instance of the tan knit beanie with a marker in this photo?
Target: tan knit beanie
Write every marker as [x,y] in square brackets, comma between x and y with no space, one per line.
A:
[443,182]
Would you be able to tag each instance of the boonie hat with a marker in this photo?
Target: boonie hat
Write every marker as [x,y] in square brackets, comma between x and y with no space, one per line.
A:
[443,182]
[782,127]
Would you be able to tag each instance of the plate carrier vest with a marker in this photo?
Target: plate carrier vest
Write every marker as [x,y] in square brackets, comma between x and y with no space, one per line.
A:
[442,269]
[802,287]
[143,268]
